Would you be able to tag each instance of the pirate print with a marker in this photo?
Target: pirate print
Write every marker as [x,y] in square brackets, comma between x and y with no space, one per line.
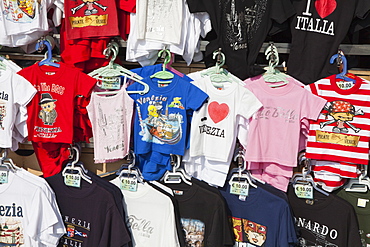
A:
[90,7]
[256,233]
[342,113]
[2,114]
[48,113]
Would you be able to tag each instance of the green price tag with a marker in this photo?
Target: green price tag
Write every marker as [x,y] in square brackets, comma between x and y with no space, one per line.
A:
[3,177]
[304,191]
[73,180]
[129,184]
[115,83]
[238,188]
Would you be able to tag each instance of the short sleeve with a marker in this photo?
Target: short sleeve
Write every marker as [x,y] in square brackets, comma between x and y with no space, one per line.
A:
[354,237]
[219,225]
[127,5]
[249,104]
[362,8]
[281,10]
[23,91]
[312,106]
[85,84]
[196,6]
[195,97]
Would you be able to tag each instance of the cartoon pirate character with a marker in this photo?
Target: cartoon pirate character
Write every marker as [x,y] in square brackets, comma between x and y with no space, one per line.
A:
[48,113]
[342,112]
[90,7]
[2,114]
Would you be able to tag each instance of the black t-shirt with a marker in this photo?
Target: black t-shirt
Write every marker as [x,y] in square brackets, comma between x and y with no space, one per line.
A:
[90,215]
[317,30]
[203,215]
[241,28]
[325,221]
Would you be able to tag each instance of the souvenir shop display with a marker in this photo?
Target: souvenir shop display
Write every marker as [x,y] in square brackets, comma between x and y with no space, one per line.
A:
[177,123]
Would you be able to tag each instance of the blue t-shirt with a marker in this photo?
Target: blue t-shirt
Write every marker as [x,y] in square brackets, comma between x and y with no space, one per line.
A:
[152,69]
[263,219]
[161,122]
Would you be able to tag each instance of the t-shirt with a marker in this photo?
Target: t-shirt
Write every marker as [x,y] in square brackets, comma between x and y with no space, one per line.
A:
[274,130]
[15,92]
[241,28]
[160,122]
[111,117]
[317,30]
[27,217]
[150,216]
[203,215]
[262,219]
[90,18]
[90,215]
[325,220]
[341,133]
[360,202]
[51,110]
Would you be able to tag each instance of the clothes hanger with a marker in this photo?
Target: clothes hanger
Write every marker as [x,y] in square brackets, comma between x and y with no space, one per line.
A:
[342,60]
[48,61]
[6,162]
[360,184]
[241,174]
[72,167]
[217,74]
[178,174]
[130,170]
[112,72]
[172,69]
[273,76]
[164,74]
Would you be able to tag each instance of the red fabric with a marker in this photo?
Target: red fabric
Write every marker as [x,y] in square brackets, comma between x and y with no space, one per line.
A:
[57,89]
[82,129]
[127,5]
[51,157]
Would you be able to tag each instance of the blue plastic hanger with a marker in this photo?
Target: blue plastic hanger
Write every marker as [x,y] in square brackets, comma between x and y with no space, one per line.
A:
[342,75]
[48,60]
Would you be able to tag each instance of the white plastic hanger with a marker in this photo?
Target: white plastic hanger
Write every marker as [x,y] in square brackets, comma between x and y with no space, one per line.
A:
[360,184]
[273,76]
[130,170]
[71,167]
[178,174]
[6,162]
[241,174]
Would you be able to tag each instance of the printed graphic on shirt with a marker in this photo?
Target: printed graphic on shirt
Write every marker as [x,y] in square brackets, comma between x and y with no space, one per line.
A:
[20,11]
[242,22]
[194,232]
[218,112]
[111,126]
[268,112]
[248,233]
[158,126]
[48,114]
[140,226]
[2,113]
[90,10]
[323,8]
[315,233]
[176,103]
[77,232]
[11,228]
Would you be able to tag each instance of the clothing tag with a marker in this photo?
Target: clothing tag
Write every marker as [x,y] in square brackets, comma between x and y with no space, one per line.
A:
[162,84]
[49,73]
[242,198]
[304,191]
[345,85]
[178,192]
[129,184]
[310,202]
[238,188]
[113,83]
[3,177]
[73,180]
[362,202]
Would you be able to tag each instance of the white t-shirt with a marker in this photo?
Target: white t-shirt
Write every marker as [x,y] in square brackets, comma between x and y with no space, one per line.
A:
[149,216]
[26,213]
[14,91]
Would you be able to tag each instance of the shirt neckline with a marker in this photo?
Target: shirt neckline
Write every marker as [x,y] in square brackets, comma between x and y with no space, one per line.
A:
[5,74]
[59,72]
[352,90]
[282,90]
[153,84]
[85,190]
[5,187]
[214,90]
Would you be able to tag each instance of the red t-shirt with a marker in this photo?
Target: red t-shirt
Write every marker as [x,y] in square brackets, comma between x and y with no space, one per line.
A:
[50,113]
[91,18]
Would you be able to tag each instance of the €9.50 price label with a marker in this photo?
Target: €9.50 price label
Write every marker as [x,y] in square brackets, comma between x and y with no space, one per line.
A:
[73,180]
[3,177]
[129,184]
[238,188]
[304,191]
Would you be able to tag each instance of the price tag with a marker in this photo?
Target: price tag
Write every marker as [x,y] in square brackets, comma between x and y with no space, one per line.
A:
[114,83]
[345,85]
[3,177]
[73,180]
[238,188]
[129,184]
[304,191]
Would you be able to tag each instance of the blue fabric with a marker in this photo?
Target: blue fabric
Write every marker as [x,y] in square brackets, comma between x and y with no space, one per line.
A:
[161,122]
[151,69]
[153,165]
[263,219]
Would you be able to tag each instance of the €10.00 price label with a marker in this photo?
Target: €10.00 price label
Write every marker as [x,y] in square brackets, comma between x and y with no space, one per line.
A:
[73,180]
[3,177]
[239,188]
[129,184]
[304,191]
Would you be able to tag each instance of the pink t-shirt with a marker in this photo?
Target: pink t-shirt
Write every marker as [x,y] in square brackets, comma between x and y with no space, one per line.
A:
[110,117]
[274,130]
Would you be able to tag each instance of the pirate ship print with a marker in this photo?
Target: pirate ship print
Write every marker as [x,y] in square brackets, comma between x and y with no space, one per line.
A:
[11,233]
[158,127]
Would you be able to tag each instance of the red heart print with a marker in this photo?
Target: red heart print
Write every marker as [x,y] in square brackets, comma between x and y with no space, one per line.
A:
[325,7]
[218,112]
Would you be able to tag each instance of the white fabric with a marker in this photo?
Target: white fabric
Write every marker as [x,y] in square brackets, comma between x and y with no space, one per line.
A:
[25,207]
[15,91]
[150,217]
